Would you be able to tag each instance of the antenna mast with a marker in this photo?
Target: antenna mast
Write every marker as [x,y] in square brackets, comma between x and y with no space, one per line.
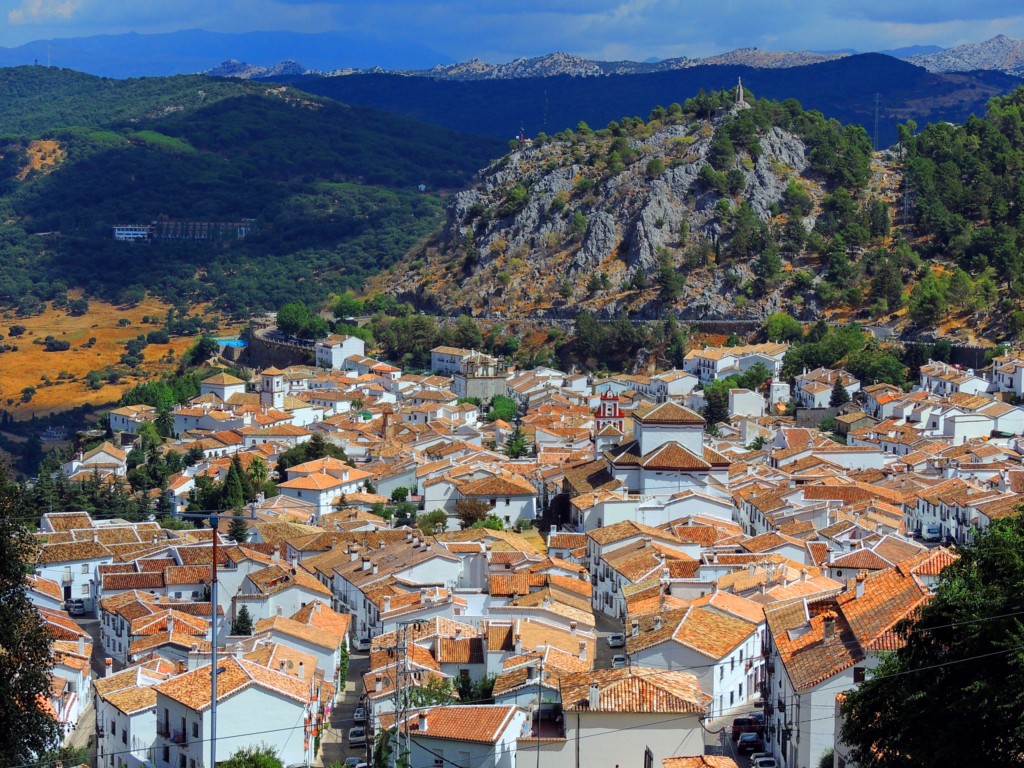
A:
[874,144]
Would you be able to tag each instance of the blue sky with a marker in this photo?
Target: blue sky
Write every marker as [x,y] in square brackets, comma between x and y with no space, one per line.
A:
[498,30]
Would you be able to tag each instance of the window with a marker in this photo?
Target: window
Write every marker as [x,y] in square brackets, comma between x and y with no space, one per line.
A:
[85,567]
[167,755]
[195,730]
[858,674]
[113,727]
[508,502]
[124,735]
[84,590]
[181,761]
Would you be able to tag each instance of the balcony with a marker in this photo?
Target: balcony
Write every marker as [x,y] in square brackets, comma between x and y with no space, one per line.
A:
[163,730]
[179,737]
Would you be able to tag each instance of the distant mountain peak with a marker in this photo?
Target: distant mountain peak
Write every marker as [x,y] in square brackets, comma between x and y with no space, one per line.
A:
[999,53]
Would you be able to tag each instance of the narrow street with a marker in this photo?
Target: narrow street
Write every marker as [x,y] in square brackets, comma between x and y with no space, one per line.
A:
[334,742]
[84,734]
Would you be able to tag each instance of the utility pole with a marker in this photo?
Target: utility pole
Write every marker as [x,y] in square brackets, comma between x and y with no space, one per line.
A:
[874,144]
[540,677]
[213,649]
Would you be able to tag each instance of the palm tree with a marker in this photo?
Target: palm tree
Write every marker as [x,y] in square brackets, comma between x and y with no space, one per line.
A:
[164,422]
[258,472]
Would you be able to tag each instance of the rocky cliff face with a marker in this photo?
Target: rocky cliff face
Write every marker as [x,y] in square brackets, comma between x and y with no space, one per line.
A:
[592,220]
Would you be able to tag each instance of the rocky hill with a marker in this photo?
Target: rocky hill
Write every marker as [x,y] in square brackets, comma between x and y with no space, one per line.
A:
[555,64]
[1000,54]
[243,71]
[672,215]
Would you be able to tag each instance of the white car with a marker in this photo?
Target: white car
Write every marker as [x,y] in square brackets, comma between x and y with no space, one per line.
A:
[362,643]
[619,661]
[764,762]
[616,640]
[357,737]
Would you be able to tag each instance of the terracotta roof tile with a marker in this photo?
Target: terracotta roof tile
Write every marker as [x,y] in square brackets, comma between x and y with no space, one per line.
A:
[635,689]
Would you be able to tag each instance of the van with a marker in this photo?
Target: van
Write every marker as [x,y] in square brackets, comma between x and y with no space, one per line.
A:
[745,725]
[931,533]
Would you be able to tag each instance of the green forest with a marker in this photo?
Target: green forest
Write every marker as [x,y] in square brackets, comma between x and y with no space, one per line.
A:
[335,192]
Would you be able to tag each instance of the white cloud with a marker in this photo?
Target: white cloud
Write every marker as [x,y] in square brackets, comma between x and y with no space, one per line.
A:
[35,11]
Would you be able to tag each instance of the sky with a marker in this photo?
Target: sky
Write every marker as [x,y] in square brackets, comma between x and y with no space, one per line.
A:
[499,30]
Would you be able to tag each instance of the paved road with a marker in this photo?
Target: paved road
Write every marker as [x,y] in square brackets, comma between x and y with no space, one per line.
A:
[606,625]
[85,730]
[334,743]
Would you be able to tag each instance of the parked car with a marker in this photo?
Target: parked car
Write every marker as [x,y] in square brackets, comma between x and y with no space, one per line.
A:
[749,742]
[360,715]
[745,724]
[76,607]
[357,737]
[619,661]
[362,643]
[352,762]
[757,755]
[764,762]
[616,640]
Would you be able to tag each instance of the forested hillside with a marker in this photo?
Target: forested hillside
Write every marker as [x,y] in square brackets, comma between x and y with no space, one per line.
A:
[709,210]
[334,191]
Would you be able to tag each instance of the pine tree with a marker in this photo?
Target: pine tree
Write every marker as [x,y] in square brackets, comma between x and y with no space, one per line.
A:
[26,729]
[839,395]
[242,625]
[239,529]
[516,446]
[233,494]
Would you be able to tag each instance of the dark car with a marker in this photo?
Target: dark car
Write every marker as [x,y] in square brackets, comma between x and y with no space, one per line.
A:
[745,724]
[749,742]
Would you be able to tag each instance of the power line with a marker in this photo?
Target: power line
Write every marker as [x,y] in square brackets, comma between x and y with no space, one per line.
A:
[614,730]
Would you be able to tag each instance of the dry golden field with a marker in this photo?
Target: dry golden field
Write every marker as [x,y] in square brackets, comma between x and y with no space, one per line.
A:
[27,366]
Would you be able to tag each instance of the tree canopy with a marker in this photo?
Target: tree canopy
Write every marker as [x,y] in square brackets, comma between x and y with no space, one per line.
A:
[952,694]
[26,728]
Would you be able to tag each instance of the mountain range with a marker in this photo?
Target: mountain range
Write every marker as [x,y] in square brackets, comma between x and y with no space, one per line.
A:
[843,88]
[265,54]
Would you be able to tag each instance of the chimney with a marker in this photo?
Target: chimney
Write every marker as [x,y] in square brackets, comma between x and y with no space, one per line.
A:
[458,633]
[302,669]
[657,623]
[295,562]
[353,554]
[829,619]
[108,666]
[583,651]
[81,646]
[634,628]
[803,574]
[519,644]
[170,625]
[594,696]
[861,578]
[374,569]
[387,604]
[366,564]
[572,627]
[95,538]
[378,683]
[423,721]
